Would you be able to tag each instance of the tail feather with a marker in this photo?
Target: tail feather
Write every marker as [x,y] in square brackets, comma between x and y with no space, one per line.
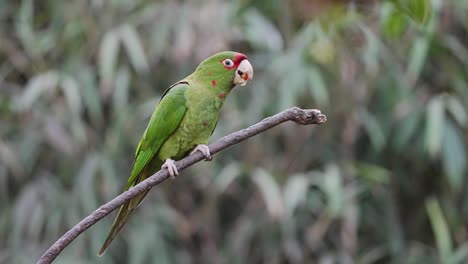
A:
[122,217]
[125,211]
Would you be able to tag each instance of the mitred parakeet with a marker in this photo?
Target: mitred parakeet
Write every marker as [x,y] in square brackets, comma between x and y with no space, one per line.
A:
[182,123]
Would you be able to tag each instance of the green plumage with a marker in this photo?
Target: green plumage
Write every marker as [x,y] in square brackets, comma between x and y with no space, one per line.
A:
[185,117]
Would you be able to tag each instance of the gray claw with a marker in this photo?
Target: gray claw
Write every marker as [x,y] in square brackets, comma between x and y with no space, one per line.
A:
[171,168]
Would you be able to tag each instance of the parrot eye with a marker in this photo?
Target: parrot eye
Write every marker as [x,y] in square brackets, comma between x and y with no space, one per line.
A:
[228,63]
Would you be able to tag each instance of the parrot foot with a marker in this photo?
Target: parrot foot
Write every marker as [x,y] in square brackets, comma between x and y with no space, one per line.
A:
[171,168]
[204,150]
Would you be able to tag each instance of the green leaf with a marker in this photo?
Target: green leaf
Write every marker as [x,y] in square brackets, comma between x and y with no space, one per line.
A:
[227,175]
[457,48]
[134,48]
[44,83]
[332,186]
[440,229]
[373,173]
[372,50]
[72,94]
[407,128]
[261,32]
[417,58]
[108,52]
[456,108]
[373,129]
[292,86]
[122,87]
[270,191]
[395,23]
[434,125]
[89,93]
[453,156]
[460,255]
[317,86]
[323,50]
[418,10]
[295,192]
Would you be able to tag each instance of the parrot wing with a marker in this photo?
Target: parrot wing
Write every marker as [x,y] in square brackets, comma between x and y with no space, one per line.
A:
[164,121]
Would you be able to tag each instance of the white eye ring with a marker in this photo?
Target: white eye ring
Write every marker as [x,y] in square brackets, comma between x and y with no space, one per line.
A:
[228,63]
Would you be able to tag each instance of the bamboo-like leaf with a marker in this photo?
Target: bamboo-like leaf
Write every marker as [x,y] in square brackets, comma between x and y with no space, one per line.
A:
[140,252]
[332,186]
[41,84]
[323,50]
[36,222]
[270,191]
[122,87]
[261,32]
[373,173]
[456,108]
[460,255]
[374,130]
[417,57]
[457,48]
[23,23]
[395,22]
[435,116]
[160,36]
[72,94]
[226,176]
[85,182]
[371,51]
[294,192]
[454,157]
[108,53]
[440,229]
[418,10]
[318,87]
[134,48]
[291,87]
[8,156]
[90,95]
[407,128]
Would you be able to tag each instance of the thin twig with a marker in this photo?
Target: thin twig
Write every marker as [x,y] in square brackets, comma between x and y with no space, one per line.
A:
[300,116]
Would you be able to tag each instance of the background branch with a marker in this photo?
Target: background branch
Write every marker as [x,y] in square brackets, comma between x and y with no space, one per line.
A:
[300,116]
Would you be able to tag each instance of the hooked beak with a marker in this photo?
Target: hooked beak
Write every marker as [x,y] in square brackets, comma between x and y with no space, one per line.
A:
[243,73]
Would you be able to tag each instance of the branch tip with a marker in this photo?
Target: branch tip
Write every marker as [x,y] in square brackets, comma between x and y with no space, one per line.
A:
[307,116]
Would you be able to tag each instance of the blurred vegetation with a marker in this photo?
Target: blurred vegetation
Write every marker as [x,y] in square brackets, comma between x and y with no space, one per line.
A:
[383,181]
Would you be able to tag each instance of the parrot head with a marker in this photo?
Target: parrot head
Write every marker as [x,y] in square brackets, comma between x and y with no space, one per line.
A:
[227,68]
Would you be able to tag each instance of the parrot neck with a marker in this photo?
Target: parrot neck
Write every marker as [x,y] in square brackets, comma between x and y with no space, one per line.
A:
[218,86]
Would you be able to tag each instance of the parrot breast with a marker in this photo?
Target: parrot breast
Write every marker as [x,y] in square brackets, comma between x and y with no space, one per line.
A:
[196,126]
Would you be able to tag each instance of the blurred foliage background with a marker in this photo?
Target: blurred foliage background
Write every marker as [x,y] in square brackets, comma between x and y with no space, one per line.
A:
[383,181]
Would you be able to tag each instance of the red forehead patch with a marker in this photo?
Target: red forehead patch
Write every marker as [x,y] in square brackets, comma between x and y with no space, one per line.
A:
[238,57]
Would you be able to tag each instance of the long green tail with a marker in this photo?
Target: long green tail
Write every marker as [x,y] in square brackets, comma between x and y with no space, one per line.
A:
[127,209]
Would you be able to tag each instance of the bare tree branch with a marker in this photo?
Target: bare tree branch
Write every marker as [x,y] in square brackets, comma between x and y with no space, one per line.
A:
[300,116]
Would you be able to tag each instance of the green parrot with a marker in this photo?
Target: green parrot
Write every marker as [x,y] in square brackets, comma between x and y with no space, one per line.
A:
[182,123]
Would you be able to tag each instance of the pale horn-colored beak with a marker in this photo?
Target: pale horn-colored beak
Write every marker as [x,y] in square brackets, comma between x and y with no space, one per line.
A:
[243,73]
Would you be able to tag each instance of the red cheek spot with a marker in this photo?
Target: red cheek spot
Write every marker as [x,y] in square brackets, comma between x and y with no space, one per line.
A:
[221,95]
[213,82]
[205,123]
